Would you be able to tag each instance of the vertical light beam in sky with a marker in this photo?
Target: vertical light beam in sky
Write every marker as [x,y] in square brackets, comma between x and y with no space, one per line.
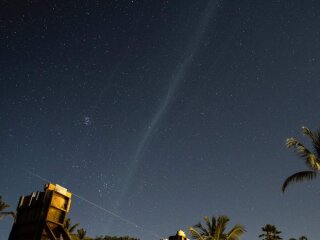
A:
[177,76]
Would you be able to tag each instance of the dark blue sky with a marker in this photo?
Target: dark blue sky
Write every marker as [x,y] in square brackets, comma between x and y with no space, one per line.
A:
[161,111]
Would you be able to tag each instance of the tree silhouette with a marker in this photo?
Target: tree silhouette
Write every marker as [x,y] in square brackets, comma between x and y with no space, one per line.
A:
[81,233]
[216,230]
[70,228]
[270,233]
[3,206]
[311,157]
[115,238]
[303,238]
[300,238]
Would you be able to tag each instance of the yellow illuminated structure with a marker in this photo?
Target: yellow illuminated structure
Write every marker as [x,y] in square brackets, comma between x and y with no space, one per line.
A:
[42,215]
[179,236]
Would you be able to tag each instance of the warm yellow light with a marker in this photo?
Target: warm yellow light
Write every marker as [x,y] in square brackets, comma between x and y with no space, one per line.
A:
[181,233]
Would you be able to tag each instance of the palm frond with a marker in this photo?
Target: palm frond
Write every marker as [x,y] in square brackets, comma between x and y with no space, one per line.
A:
[316,142]
[200,227]
[13,214]
[214,224]
[313,136]
[303,238]
[3,205]
[216,229]
[270,232]
[291,142]
[311,159]
[221,225]
[307,131]
[72,228]
[67,223]
[69,226]
[195,234]
[236,232]
[81,233]
[298,177]
[208,223]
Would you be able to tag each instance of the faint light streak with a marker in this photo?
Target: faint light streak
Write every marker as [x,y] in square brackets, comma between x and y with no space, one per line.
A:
[177,76]
[127,221]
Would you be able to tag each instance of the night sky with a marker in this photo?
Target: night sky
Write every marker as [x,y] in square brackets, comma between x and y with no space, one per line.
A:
[161,112]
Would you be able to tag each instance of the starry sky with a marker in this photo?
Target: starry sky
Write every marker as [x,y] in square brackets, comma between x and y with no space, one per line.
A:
[157,113]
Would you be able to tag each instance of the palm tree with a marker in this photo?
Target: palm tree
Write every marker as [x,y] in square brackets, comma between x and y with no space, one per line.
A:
[69,227]
[270,233]
[303,238]
[312,158]
[81,233]
[216,230]
[300,238]
[4,205]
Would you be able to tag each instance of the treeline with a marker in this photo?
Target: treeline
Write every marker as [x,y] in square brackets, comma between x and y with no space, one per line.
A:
[81,233]
[114,238]
[106,237]
[214,228]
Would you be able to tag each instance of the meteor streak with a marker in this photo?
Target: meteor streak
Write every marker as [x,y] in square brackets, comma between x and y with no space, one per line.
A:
[127,221]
